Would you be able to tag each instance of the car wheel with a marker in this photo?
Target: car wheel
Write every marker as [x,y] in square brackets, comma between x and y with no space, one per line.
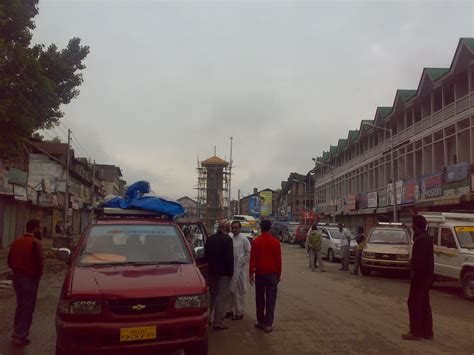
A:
[331,256]
[365,270]
[201,349]
[468,285]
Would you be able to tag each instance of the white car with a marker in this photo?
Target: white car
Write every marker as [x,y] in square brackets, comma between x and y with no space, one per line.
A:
[331,243]
[453,244]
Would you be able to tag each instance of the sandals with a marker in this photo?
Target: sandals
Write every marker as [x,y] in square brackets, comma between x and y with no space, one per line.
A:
[220,327]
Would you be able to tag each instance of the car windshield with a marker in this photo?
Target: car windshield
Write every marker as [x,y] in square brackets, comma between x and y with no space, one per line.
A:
[133,244]
[465,236]
[336,234]
[387,236]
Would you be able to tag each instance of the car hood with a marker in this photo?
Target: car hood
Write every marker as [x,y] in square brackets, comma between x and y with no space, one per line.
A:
[136,281]
[387,248]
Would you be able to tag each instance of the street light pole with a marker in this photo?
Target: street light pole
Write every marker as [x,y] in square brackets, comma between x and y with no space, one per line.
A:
[392,166]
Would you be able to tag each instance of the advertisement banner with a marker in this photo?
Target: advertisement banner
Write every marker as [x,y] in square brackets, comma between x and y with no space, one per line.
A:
[457,172]
[17,177]
[410,191]
[363,201]
[399,191]
[254,206]
[372,201]
[350,203]
[266,203]
[431,186]
[457,188]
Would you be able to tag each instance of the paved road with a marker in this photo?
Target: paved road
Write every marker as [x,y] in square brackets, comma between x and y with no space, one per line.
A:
[331,312]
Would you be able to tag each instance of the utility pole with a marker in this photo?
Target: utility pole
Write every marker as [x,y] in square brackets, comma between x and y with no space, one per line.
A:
[238,201]
[93,185]
[66,191]
[229,212]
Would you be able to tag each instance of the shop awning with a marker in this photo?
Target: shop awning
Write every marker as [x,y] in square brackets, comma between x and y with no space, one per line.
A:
[366,211]
[440,201]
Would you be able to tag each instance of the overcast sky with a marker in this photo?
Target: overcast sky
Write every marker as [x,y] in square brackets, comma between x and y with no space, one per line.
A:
[167,81]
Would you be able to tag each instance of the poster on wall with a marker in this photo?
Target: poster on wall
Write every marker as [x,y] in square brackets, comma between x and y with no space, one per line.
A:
[254,206]
[431,186]
[363,201]
[457,188]
[350,203]
[410,191]
[382,196]
[266,203]
[372,201]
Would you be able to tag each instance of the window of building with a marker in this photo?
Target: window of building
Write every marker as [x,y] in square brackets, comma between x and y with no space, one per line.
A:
[416,112]
[409,116]
[448,91]
[451,155]
[462,85]
[426,106]
[438,99]
[463,141]
[433,233]
[447,239]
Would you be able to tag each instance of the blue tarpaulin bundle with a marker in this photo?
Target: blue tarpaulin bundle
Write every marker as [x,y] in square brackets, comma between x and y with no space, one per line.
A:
[135,199]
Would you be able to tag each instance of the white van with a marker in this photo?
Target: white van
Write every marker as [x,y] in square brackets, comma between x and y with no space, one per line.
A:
[453,242]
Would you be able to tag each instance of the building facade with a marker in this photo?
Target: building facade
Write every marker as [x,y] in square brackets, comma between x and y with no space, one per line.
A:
[432,131]
[261,204]
[296,198]
[190,205]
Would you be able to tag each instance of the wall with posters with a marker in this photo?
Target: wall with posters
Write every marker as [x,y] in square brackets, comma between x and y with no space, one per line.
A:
[431,186]
[266,203]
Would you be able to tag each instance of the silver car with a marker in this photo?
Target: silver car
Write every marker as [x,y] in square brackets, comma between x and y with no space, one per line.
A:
[331,243]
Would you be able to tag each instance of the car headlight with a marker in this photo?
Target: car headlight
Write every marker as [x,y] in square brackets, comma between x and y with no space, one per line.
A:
[402,256]
[368,254]
[80,307]
[193,301]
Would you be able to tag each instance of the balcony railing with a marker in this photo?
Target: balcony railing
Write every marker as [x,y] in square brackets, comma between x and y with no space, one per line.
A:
[462,104]
[448,111]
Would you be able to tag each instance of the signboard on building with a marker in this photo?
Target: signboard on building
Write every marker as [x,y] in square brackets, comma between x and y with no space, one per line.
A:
[431,186]
[20,193]
[398,190]
[410,191]
[350,203]
[17,177]
[457,172]
[372,200]
[363,200]
[458,188]
[382,196]
[266,203]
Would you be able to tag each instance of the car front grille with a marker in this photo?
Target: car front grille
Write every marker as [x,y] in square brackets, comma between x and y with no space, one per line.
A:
[137,306]
[382,256]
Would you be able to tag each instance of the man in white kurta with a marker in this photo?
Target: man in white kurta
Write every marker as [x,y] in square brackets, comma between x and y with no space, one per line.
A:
[239,282]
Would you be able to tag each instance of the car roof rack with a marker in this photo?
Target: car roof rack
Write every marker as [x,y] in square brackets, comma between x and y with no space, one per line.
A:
[109,212]
[440,217]
[391,224]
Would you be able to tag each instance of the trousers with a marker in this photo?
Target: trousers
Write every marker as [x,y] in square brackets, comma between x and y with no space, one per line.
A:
[26,290]
[345,257]
[357,261]
[313,256]
[266,289]
[419,308]
[218,289]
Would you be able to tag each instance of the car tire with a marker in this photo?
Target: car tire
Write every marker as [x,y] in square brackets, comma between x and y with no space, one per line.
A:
[201,349]
[364,270]
[468,285]
[331,257]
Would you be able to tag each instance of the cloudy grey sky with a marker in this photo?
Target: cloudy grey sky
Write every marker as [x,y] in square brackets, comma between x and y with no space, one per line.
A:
[166,81]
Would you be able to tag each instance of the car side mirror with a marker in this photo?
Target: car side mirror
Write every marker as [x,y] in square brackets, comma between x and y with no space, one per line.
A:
[64,254]
[198,253]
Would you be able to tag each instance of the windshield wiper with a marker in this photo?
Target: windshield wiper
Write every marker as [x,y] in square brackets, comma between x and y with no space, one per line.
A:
[123,263]
[174,262]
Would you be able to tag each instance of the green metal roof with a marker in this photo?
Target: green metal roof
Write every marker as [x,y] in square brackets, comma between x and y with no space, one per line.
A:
[353,134]
[469,42]
[435,73]
[406,95]
[341,143]
[333,149]
[384,111]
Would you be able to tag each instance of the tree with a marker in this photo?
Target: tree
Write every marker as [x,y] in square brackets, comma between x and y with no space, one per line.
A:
[34,80]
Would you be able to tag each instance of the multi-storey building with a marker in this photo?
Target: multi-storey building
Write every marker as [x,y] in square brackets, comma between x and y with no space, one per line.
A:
[296,198]
[433,146]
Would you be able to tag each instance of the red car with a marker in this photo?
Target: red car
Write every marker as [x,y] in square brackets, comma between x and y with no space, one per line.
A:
[132,287]
[299,234]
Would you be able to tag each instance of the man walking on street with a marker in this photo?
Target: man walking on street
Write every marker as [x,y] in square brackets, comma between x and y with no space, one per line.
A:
[345,247]
[220,258]
[238,285]
[422,268]
[265,273]
[26,260]
[313,244]
[361,241]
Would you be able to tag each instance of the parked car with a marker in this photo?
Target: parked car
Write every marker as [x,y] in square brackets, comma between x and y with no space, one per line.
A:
[198,229]
[331,243]
[132,286]
[249,219]
[453,243]
[247,231]
[291,227]
[299,235]
[388,248]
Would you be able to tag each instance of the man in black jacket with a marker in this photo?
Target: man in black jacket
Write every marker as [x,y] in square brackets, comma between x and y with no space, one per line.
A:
[422,268]
[220,258]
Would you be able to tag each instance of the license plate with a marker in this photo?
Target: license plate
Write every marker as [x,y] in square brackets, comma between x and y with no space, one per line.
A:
[138,333]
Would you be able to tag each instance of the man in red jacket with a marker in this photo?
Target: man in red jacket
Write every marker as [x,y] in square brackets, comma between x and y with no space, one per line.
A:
[26,260]
[265,273]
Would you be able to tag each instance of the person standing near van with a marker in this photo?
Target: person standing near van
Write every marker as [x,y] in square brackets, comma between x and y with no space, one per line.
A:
[265,273]
[422,273]
[345,247]
[26,259]
[361,241]
[220,257]
[313,245]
